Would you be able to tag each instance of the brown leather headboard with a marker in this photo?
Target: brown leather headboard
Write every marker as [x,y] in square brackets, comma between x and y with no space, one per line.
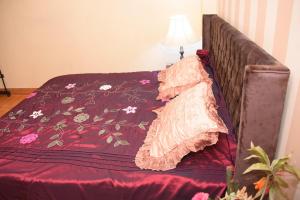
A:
[253,84]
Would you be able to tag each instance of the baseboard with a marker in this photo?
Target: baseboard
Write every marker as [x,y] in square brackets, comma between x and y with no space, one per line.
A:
[21,91]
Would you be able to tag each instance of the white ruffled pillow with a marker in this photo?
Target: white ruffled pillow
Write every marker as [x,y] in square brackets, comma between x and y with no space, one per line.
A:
[189,122]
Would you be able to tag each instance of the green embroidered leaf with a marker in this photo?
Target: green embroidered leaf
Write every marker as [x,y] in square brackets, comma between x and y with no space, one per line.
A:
[117,127]
[55,136]
[141,126]
[80,128]
[57,112]
[105,110]
[45,119]
[61,122]
[59,143]
[5,130]
[71,108]
[55,142]
[101,132]
[144,123]
[52,144]
[67,113]
[109,139]
[123,142]
[21,127]
[60,125]
[40,129]
[97,118]
[109,121]
[19,112]
[122,122]
[117,143]
[114,110]
[120,142]
[79,109]
[117,134]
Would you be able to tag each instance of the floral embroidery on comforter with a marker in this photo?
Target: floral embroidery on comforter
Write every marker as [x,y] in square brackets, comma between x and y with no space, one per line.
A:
[96,111]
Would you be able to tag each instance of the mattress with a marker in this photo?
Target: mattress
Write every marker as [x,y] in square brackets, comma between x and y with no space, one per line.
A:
[76,137]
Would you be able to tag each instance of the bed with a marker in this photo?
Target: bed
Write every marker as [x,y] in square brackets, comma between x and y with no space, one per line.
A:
[77,135]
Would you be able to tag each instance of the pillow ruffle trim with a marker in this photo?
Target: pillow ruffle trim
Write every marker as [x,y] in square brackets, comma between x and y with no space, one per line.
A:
[169,161]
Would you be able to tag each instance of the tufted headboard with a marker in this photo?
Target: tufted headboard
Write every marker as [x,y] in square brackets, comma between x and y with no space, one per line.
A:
[253,84]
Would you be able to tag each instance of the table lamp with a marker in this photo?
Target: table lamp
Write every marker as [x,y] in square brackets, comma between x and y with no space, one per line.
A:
[180,33]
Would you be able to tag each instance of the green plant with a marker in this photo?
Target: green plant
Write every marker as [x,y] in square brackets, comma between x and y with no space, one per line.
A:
[272,181]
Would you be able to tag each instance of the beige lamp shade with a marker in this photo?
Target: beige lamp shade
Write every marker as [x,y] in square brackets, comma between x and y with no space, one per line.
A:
[180,32]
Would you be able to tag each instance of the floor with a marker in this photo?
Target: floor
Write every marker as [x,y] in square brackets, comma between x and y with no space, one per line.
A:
[7,103]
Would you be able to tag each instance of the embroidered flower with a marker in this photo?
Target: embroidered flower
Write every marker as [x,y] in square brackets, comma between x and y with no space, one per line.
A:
[70,86]
[36,114]
[105,87]
[67,100]
[144,82]
[28,138]
[129,109]
[31,95]
[81,117]
[200,196]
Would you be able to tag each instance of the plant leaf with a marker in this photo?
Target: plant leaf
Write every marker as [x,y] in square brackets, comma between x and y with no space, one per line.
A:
[55,136]
[272,193]
[279,164]
[251,156]
[281,182]
[292,170]
[259,167]
[258,151]
[101,132]
[109,139]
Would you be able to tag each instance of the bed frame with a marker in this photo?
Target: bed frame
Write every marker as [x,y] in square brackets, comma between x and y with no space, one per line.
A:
[254,85]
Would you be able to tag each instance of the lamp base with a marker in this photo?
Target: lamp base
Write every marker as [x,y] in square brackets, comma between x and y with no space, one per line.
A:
[181,51]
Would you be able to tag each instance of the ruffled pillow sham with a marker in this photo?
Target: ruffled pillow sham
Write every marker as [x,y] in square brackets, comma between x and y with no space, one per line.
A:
[182,75]
[189,122]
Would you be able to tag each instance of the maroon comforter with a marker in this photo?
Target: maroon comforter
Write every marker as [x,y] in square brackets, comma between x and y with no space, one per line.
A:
[76,138]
